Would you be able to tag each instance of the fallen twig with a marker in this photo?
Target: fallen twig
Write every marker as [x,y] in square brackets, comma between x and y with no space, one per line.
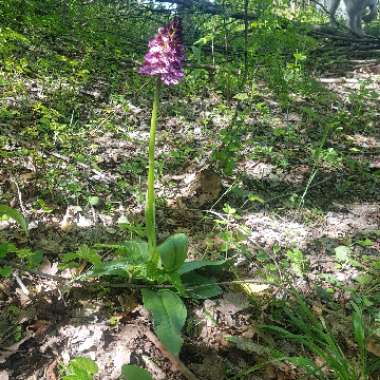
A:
[19,195]
[176,362]
[131,285]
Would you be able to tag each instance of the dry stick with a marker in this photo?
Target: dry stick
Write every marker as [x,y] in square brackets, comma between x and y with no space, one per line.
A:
[195,287]
[223,195]
[325,10]
[19,195]
[22,286]
[344,38]
[238,282]
[176,362]
[130,285]
[209,7]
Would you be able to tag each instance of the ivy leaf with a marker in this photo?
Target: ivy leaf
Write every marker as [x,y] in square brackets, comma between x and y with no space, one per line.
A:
[80,368]
[94,201]
[297,260]
[169,316]
[342,253]
[33,259]
[132,372]
[241,96]
[173,251]
[84,253]
[15,215]
[90,255]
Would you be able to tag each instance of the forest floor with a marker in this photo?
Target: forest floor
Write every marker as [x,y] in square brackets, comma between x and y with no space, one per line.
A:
[232,174]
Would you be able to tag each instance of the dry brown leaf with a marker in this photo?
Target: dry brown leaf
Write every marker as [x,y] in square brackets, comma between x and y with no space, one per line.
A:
[203,187]
[318,309]
[39,327]
[373,347]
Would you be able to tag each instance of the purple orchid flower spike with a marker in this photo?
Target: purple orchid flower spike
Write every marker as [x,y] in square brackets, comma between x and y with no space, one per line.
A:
[166,55]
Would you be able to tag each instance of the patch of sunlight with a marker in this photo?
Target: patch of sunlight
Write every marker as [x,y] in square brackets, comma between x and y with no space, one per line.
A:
[364,141]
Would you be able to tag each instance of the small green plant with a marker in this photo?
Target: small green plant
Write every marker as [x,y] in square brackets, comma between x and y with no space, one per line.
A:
[359,102]
[228,153]
[15,215]
[80,368]
[164,60]
[146,261]
[28,257]
[297,260]
[319,156]
[318,338]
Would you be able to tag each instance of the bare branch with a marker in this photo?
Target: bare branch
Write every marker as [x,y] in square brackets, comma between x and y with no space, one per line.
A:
[207,7]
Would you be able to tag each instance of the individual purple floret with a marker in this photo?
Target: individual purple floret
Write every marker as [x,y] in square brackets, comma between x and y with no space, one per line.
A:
[166,56]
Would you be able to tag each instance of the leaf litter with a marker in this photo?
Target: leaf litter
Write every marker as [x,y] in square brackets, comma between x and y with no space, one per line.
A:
[57,326]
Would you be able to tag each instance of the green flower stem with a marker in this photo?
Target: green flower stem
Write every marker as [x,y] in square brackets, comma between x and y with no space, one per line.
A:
[150,217]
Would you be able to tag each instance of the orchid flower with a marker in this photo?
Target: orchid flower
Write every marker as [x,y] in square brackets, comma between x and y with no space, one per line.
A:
[164,60]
